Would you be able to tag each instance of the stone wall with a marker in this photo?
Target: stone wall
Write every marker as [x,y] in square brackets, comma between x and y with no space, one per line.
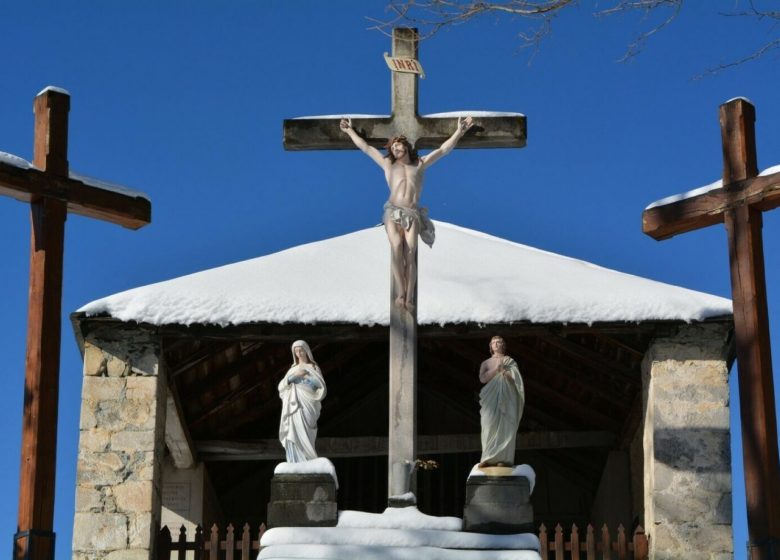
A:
[612,503]
[188,499]
[687,483]
[121,445]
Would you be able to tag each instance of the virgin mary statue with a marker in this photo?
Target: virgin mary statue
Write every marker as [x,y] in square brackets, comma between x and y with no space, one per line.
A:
[301,391]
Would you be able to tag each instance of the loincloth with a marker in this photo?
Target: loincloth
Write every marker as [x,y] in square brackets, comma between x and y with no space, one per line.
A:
[405,217]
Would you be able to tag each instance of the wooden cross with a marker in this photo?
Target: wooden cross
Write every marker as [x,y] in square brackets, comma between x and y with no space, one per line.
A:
[739,203]
[52,192]
[422,132]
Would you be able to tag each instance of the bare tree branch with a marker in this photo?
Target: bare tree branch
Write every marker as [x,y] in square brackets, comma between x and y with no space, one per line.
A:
[430,16]
[758,53]
[648,7]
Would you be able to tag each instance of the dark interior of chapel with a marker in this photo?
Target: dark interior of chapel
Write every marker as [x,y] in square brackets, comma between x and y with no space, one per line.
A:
[583,401]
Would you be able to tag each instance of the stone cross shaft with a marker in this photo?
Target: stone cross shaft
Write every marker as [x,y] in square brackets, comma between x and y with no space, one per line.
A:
[52,192]
[739,203]
[422,132]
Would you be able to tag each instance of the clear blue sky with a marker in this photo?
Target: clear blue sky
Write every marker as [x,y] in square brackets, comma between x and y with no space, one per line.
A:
[185,100]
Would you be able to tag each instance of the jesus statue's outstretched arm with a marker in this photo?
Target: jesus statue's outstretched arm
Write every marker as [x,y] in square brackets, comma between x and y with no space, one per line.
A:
[449,143]
[363,146]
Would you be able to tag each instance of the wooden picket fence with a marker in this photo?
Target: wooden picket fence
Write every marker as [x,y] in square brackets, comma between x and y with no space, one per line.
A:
[559,548]
[229,548]
[592,548]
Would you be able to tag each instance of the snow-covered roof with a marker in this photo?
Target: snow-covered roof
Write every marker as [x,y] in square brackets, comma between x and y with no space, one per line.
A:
[468,276]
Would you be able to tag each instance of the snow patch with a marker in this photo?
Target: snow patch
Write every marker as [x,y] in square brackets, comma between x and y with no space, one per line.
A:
[704,190]
[450,114]
[402,538]
[342,116]
[54,89]
[398,518]
[324,552]
[16,161]
[106,186]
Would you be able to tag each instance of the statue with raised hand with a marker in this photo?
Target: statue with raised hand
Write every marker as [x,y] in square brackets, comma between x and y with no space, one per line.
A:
[501,401]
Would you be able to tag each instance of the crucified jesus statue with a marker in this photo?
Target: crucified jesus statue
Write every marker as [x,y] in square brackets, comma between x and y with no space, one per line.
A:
[404,220]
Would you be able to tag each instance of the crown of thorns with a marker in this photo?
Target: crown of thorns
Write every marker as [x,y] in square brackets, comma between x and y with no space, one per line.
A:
[397,139]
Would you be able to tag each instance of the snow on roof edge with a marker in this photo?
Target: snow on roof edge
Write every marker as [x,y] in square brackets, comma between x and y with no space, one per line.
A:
[522,285]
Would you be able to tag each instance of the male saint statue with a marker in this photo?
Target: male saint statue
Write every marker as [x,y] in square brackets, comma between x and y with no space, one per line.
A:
[501,403]
[404,220]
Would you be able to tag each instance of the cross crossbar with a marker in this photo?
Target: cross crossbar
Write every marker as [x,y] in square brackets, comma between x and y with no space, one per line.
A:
[93,199]
[490,131]
[708,208]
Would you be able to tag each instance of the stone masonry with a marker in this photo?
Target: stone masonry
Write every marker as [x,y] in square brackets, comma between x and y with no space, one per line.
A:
[687,457]
[121,446]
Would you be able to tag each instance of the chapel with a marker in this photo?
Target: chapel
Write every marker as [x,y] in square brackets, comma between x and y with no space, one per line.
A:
[626,418]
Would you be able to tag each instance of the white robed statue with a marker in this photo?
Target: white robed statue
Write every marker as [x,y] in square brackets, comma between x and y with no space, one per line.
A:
[301,391]
[501,406]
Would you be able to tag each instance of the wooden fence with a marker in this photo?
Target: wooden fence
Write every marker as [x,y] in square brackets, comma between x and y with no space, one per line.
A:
[573,548]
[592,548]
[229,548]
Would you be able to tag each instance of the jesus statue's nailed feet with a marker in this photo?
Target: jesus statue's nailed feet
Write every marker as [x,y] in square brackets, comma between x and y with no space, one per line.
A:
[400,302]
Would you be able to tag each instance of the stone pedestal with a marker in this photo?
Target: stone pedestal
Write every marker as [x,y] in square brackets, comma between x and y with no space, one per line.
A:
[498,505]
[302,500]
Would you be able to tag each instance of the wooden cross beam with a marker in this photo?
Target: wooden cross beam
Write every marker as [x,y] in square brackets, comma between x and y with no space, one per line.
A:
[52,191]
[739,202]
[497,131]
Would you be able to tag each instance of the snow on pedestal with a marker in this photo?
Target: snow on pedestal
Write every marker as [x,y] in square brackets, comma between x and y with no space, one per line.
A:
[517,470]
[320,465]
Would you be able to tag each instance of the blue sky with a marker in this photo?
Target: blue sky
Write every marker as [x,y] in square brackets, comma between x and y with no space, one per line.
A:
[185,102]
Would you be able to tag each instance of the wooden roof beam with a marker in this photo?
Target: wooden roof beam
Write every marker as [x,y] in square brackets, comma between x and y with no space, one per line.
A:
[369,446]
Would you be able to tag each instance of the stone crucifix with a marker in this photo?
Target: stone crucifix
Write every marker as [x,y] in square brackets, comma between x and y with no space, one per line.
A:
[438,132]
[52,191]
[739,203]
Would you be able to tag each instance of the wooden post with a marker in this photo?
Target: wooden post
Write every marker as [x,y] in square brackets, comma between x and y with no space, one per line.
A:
[739,204]
[402,439]
[41,390]
[543,542]
[751,321]
[575,542]
[51,192]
